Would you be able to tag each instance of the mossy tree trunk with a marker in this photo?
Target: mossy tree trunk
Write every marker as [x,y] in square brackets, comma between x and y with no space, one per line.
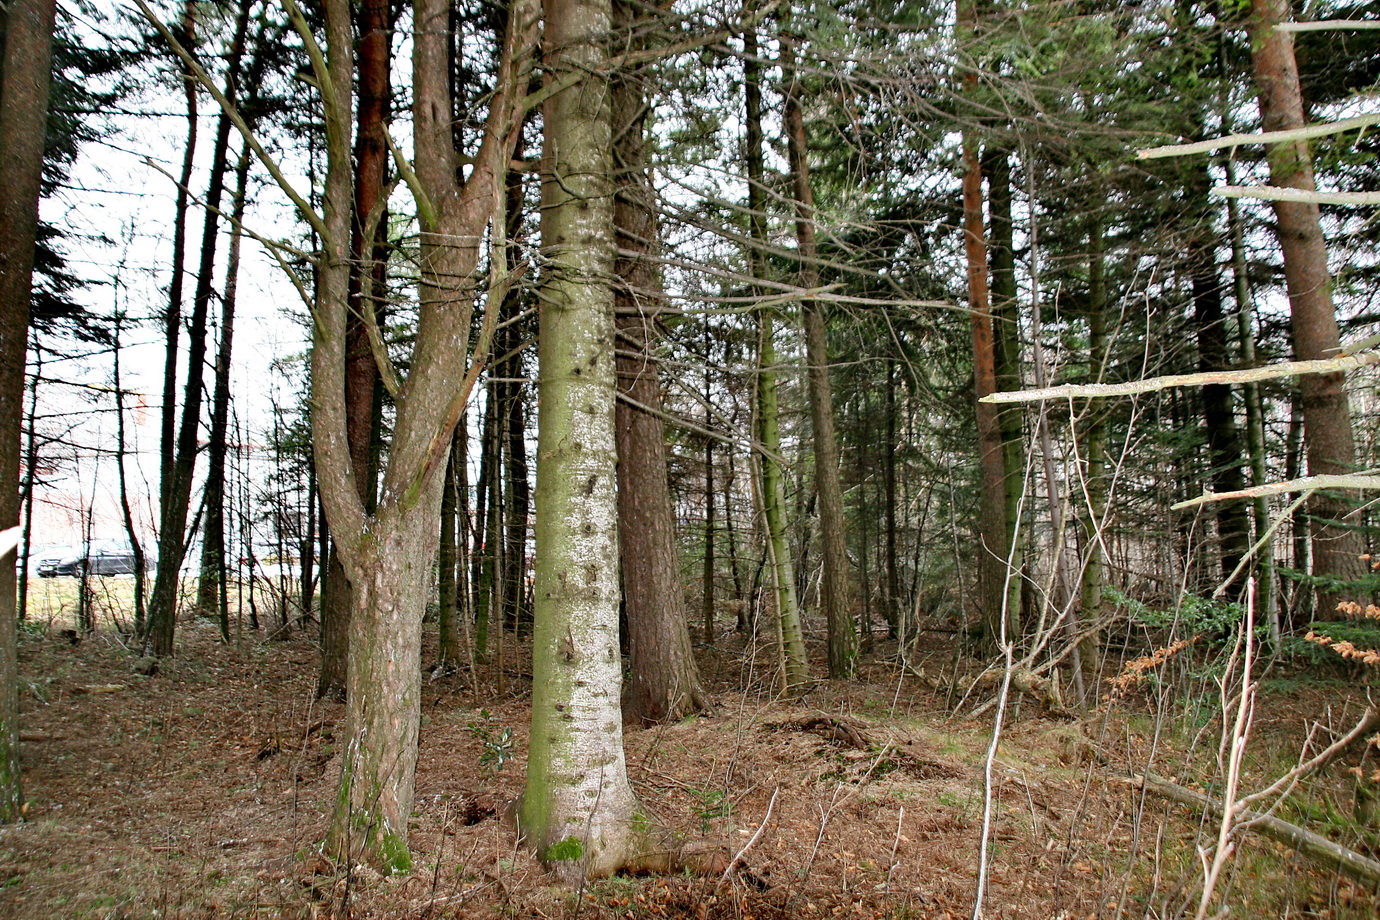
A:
[578,810]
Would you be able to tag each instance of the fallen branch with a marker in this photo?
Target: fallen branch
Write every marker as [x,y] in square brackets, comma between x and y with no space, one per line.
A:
[1306,484]
[1277,193]
[1154,384]
[1315,846]
[1266,137]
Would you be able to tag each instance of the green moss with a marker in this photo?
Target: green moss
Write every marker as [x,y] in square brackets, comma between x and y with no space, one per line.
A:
[396,858]
[568,850]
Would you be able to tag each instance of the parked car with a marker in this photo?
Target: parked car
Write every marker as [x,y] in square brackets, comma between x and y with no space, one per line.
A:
[44,559]
[108,558]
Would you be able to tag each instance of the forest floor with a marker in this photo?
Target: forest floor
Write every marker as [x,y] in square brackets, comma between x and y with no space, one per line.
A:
[203,790]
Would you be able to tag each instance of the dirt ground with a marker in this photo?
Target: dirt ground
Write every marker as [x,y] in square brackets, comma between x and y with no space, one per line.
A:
[203,790]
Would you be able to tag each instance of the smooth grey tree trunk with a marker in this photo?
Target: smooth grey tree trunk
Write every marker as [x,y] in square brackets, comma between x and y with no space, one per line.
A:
[578,810]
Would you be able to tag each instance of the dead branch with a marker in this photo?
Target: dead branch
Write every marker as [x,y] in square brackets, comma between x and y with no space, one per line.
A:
[1315,846]
[1306,484]
[1155,384]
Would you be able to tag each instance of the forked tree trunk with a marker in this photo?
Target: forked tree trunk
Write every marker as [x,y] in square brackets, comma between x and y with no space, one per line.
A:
[578,810]
[26,33]
[1328,440]
[388,551]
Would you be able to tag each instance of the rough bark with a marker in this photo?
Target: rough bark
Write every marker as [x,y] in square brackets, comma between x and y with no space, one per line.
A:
[1225,449]
[993,544]
[795,667]
[663,680]
[387,552]
[835,593]
[578,810]
[1328,439]
[26,32]
[368,272]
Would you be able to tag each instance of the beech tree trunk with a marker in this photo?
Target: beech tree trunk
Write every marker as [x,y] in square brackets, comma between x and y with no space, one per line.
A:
[663,680]
[26,36]
[578,810]
[1328,439]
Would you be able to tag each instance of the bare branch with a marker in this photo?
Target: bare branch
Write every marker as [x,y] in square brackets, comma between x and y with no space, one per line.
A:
[1266,137]
[1155,384]
[1307,483]
[1275,193]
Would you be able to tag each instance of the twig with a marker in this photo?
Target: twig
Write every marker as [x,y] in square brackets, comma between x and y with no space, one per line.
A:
[895,842]
[1369,720]
[1241,728]
[738,857]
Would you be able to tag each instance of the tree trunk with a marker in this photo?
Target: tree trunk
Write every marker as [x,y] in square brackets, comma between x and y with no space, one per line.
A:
[167,444]
[578,810]
[835,593]
[368,273]
[993,544]
[1224,447]
[1006,349]
[390,579]
[26,34]
[1337,547]
[447,564]
[1094,449]
[212,598]
[1255,417]
[388,551]
[710,563]
[663,681]
[795,667]
[172,535]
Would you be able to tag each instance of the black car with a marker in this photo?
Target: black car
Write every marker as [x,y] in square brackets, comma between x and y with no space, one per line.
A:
[45,559]
[97,559]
